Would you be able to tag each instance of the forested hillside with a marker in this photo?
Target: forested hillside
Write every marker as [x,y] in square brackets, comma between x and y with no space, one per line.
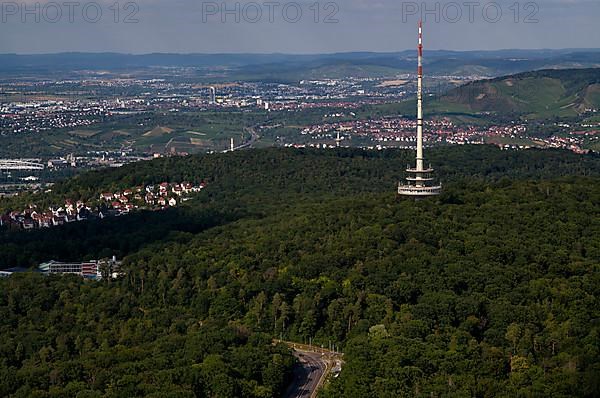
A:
[254,184]
[539,94]
[490,290]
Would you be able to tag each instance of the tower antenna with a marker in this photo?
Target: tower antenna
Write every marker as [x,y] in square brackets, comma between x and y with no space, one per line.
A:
[419,184]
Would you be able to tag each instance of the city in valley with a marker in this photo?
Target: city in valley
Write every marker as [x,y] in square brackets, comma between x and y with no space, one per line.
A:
[56,128]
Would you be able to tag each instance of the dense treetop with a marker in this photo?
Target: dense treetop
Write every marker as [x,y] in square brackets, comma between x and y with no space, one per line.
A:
[489,290]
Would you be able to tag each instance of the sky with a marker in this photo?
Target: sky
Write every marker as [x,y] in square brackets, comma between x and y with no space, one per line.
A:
[296,27]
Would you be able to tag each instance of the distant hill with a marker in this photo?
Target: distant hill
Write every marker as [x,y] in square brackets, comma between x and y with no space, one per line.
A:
[539,94]
[291,67]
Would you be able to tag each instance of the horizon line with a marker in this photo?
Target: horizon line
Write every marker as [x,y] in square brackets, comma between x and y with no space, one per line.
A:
[294,54]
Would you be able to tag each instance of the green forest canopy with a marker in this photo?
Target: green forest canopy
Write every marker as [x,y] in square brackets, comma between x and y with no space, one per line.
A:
[490,290]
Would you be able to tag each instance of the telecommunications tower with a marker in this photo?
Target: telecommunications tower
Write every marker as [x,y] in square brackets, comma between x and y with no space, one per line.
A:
[420,182]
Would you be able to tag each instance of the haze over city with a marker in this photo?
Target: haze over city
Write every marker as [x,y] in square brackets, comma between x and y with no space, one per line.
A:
[188,26]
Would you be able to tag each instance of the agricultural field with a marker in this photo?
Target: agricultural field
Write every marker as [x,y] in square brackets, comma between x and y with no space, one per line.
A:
[141,133]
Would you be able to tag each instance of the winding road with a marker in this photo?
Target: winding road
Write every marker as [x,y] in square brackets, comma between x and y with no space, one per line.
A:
[307,375]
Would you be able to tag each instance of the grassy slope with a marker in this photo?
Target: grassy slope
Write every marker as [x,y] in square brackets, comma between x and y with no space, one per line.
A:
[541,94]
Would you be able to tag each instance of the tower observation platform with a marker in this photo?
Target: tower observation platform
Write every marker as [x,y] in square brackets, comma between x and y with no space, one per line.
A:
[420,182]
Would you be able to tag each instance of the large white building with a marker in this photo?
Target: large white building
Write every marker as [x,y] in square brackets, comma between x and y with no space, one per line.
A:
[90,269]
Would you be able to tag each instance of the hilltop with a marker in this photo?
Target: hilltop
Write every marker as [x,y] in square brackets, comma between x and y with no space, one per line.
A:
[252,183]
[534,95]
[491,293]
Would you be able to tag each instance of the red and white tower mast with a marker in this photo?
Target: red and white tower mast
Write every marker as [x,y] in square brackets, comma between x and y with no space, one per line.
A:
[420,101]
[420,180]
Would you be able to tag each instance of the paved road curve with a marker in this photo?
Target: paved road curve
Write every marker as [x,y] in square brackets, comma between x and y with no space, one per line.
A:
[306,375]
